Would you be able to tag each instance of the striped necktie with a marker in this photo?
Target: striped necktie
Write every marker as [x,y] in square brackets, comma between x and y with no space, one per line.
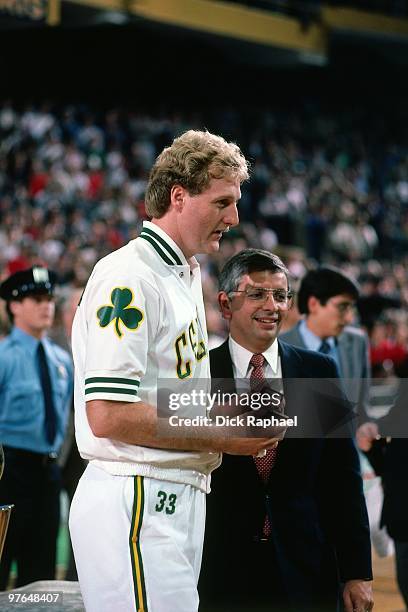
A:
[264,464]
[50,416]
[324,348]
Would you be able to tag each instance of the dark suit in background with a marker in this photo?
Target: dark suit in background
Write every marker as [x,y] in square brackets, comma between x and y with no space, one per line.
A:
[314,499]
[395,482]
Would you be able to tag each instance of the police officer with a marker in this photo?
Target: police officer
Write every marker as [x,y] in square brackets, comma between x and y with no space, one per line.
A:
[36,379]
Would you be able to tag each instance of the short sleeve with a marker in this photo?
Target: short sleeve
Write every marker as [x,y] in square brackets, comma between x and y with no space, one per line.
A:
[122,316]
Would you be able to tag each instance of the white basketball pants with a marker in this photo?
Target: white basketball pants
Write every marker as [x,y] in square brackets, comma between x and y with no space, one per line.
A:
[137,543]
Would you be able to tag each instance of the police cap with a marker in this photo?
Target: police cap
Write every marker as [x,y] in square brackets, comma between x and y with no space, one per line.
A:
[34,281]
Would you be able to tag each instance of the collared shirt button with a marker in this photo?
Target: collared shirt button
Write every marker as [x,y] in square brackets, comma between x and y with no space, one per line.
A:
[181,274]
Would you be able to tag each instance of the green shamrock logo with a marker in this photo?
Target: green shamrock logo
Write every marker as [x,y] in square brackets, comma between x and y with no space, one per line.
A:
[120,311]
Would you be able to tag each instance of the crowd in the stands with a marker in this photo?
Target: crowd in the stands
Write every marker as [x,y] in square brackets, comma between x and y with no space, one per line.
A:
[325,187]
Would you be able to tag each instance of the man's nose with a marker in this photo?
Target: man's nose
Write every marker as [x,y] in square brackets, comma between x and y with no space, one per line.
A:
[269,297]
[348,316]
[231,217]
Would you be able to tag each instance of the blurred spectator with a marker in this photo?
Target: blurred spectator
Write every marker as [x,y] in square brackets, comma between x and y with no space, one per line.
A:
[325,187]
[73,180]
[373,301]
[389,343]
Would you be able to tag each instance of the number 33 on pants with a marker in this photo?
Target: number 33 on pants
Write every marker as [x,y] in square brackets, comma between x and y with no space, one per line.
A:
[166,503]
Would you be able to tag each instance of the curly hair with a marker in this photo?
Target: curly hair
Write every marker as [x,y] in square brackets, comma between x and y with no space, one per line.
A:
[192,161]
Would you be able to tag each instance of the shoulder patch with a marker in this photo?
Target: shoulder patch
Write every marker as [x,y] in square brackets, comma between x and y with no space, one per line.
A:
[120,311]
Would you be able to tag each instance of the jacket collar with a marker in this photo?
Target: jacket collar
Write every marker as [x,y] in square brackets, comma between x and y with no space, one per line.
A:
[242,357]
[291,363]
[164,246]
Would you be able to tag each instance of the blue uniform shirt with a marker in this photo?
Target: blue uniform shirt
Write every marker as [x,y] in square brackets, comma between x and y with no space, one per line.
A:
[22,410]
[313,342]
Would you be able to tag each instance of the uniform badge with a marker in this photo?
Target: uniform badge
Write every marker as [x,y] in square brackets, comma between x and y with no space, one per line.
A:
[62,371]
[120,312]
[40,275]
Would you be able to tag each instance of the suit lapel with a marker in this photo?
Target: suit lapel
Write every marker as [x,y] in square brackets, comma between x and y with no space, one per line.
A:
[289,363]
[290,369]
[222,374]
[345,350]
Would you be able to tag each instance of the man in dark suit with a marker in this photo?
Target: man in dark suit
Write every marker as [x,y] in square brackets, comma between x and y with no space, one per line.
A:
[287,534]
[326,298]
[393,427]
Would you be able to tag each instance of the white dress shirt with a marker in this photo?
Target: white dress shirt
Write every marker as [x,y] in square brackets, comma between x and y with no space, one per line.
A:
[241,357]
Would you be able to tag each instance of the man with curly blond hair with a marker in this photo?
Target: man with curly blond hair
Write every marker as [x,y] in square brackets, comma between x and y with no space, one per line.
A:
[137,518]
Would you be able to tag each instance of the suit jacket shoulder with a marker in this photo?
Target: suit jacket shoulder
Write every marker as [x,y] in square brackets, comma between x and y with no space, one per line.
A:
[292,336]
[355,336]
[355,332]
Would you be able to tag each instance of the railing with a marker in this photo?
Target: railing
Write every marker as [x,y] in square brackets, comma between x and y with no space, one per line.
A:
[311,8]
[392,8]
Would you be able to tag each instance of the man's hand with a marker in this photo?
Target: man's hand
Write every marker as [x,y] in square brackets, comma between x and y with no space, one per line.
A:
[248,429]
[248,446]
[366,434]
[358,596]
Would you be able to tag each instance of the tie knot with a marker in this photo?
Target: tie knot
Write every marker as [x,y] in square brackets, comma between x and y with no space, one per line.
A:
[257,360]
[324,347]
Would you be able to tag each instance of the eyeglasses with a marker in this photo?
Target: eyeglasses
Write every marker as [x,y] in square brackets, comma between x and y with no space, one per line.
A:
[260,294]
[344,307]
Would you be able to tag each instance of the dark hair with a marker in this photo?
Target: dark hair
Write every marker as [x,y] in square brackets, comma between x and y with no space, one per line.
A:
[8,310]
[324,283]
[245,262]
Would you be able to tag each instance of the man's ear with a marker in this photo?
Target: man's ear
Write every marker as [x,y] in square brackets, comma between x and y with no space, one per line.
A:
[312,304]
[14,307]
[225,305]
[177,197]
